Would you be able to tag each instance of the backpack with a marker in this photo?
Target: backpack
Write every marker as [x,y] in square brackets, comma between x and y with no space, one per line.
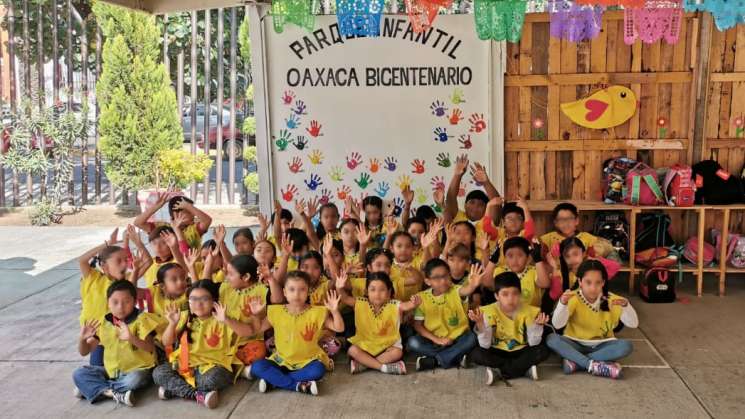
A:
[654,231]
[732,241]
[737,259]
[678,186]
[642,187]
[657,286]
[690,251]
[612,226]
[614,179]
[714,185]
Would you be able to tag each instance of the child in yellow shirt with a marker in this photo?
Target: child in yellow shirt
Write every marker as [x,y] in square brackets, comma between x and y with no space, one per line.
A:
[566,221]
[516,222]
[190,220]
[590,315]
[265,254]
[204,361]
[534,280]
[377,341]
[169,289]
[164,244]
[129,355]
[298,361]
[405,270]
[509,333]
[443,337]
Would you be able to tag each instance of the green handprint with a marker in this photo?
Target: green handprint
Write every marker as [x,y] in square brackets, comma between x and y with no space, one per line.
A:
[457,97]
[421,196]
[363,181]
[336,174]
[283,141]
[443,160]
[437,208]
[453,320]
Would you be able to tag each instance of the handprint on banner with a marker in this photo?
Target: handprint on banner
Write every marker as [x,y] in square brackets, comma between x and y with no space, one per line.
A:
[457,97]
[421,196]
[342,192]
[443,160]
[398,206]
[465,141]
[283,141]
[456,117]
[363,181]
[300,108]
[288,194]
[325,197]
[315,129]
[313,182]
[354,160]
[437,182]
[315,157]
[441,134]
[418,166]
[336,174]
[300,142]
[296,165]
[438,108]
[288,97]
[382,189]
[390,164]
[292,122]
[477,123]
[374,165]
[404,182]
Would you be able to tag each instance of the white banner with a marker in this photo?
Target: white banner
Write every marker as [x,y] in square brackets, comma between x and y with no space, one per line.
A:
[366,116]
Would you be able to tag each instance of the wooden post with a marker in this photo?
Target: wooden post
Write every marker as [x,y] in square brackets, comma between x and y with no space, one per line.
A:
[700,265]
[723,252]
[632,249]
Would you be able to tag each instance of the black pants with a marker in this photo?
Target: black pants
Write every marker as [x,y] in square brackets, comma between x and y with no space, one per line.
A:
[512,364]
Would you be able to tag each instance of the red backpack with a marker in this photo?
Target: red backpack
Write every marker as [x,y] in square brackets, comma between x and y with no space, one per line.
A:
[679,187]
[642,187]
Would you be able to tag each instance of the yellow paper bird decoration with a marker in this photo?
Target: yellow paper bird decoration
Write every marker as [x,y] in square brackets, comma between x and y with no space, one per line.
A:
[605,108]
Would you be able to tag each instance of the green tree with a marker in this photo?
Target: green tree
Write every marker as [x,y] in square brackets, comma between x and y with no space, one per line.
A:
[139,116]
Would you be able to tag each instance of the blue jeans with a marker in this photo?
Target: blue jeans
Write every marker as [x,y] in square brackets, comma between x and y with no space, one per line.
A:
[92,381]
[582,354]
[282,377]
[97,356]
[447,356]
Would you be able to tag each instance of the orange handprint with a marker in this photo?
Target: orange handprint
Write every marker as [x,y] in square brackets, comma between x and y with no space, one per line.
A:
[246,307]
[309,332]
[213,339]
[385,328]
[456,117]
[374,165]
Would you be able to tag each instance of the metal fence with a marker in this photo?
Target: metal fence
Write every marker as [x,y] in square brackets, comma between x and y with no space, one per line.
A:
[54,46]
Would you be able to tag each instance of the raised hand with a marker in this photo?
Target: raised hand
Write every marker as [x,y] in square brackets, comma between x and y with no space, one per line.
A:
[89,329]
[418,166]
[312,207]
[286,244]
[332,300]
[478,172]
[476,316]
[441,134]
[461,164]
[566,296]
[169,238]
[482,242]
[363,235]
[296,165]
[416,300]
[341,279]
[173,315]
[403,182]
[113,238]
[465,141]
[315,129]
[192,257]
[443,160]
[439,196]
[354,160]
[541,319]
[219,234]
[408,195]
[263,222]
[456,117]
[391,225]
[476,274]
[257,304]
[219,313]
[264,272]
[477,123]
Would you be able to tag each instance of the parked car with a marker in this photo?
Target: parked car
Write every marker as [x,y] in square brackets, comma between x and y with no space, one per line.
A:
[214,125]
[35,141]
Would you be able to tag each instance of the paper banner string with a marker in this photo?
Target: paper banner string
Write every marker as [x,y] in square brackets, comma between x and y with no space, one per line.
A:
[359,17]
[499,20]
[298,12]
[574,22]
[627,4]
[727,13]
[657,20]
[423,12]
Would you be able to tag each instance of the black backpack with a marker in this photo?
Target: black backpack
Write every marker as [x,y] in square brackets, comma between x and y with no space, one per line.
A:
[657,286]
[654,231]
[714,185]
[612,226]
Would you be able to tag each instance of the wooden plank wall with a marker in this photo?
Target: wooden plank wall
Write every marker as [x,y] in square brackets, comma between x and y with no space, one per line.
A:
[566,161]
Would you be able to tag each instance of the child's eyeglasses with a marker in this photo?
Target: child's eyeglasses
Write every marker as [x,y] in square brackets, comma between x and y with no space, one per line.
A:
[439,277]
[565,219]
[200,299]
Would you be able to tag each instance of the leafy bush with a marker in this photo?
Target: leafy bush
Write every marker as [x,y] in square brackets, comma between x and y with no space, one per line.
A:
[251,181]
[179,168]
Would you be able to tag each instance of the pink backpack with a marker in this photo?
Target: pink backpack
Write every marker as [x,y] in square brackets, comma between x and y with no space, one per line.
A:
[734,248]
[690,251]
[679,187]
[642,187]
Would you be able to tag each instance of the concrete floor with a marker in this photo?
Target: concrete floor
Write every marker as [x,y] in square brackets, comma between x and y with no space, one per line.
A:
[688,359]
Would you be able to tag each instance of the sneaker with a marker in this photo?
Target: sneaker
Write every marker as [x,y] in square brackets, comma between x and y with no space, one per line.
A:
[532,373]
[125,398]
[355,367]
[208,399]
[489,376]
[605,369]
[246,373]
[464,361]
[263,386]
[307,387]
[163,394]
[76,392]
[568,366]
[395,368]
[424,363]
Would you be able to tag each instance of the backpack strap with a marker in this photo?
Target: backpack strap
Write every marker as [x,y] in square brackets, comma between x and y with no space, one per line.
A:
[654,187]
[635,187]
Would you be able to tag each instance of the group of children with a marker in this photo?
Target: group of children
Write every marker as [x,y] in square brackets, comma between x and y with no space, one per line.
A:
[471,285]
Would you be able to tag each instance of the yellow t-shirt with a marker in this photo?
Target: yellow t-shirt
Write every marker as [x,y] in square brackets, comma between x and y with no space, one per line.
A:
[479,226]
[121,357]
[531,294]
[317,294]
[359,287]
[443,315]
[509,334]
[161,302]
[550,239]
[191,235]
[151,274]
[352,259]
[501,238]
[296,336]
[93,289]
[376,332]
[377,237]
[236,302]
[401,291]
[211,344]
[586,323]
[217,277]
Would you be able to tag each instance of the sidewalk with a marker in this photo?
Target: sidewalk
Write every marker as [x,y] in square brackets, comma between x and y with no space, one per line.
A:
[687,360]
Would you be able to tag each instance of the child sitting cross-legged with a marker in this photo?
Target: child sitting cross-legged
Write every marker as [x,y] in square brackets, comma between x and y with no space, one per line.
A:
[509,333]
[443,337]
[129,353]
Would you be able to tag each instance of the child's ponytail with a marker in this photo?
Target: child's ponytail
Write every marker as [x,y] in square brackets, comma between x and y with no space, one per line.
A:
[595,265]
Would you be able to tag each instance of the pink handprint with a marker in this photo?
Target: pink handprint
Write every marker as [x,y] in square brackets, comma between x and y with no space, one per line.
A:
[288,97]
[325,197]
[296,165]
[418,166]
[354,160]
[438,183]
[315,129]
[289,194]
[477,123]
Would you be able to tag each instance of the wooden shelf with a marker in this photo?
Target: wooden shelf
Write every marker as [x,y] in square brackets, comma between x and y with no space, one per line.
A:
[548,205]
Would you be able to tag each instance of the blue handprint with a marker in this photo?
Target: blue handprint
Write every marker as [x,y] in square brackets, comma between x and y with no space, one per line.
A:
[390,163]
[300,142]
[398,206]
[292,122]
[300,108]
[314,182]
[382,189]
[441,134]
[438,108]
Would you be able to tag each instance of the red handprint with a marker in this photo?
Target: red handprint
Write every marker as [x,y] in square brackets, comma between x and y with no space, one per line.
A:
[385,328]
[289,194]
[477,123]
[343,192]
[213,338]
[246,307]
[354,160]
[374,165]
[288,97]
[315,129]
[438,183]
[296,165]
[456,117]
[309,332]
[465,141]
[418,166]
